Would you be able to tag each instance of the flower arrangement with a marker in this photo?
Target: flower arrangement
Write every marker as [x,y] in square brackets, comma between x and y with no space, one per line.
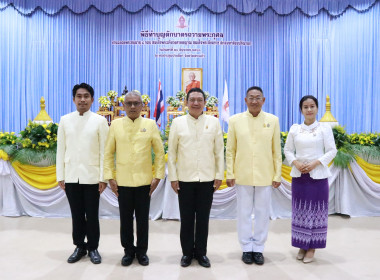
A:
[207,95]
[36,144]
[181,95]
[145,99]
[112,94]
[211,102]
[104,102]
[7,138]
[121,99]
[172,101]
[367,145]
[39,136]
[365,139]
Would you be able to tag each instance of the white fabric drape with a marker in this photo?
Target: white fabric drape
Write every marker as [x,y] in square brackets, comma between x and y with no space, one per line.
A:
[351,193]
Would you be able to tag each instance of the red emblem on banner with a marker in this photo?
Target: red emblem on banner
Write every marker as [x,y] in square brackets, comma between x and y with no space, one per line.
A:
[181,22]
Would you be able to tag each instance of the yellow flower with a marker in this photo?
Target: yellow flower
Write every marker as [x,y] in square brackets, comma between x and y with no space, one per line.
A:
[12,133]
[48,137]
[48,131]
[13,141]
[44,125]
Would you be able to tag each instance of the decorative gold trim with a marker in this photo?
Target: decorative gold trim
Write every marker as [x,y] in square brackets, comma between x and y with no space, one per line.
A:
[328,117]
[43,115]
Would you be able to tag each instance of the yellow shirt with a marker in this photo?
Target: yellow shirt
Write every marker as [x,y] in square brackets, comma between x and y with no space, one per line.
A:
[133,142]
[196,149]
[253,153]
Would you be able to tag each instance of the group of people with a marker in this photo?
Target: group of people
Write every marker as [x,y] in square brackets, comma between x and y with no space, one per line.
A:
[90,155]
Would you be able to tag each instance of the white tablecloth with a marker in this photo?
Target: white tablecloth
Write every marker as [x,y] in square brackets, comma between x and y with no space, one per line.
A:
[351,193]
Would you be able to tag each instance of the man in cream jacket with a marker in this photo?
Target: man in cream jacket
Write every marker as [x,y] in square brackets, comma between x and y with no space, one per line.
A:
[253,157]
[196,170]
[131,179]
[80,148]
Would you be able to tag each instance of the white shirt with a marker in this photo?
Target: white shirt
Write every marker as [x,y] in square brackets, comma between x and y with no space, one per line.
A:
[80,148]
[196,150]
[306,143]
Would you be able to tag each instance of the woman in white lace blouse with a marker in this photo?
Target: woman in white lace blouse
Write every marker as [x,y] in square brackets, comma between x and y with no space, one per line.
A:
[309,148]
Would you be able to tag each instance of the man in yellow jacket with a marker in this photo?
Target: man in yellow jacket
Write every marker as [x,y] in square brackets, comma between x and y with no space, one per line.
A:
[132,139]
[253,157]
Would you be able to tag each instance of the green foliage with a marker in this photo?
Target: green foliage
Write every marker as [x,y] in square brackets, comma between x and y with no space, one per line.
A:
[345,153]
[7,138]
[35,157]
[39,136]
[284,136]
[367,152]
[340,136]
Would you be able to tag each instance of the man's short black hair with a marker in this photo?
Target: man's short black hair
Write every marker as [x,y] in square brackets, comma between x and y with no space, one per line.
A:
[85,86]
[195,90]
[254,88]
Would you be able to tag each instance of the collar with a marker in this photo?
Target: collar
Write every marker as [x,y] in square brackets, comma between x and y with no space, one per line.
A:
[201,117]
[259,116]
[85,114]
[310,127]
[128,120]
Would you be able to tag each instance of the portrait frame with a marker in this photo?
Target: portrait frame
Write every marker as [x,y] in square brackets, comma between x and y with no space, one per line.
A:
[185,77]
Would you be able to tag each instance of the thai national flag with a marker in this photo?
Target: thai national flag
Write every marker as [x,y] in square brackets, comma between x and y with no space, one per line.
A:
[159,105]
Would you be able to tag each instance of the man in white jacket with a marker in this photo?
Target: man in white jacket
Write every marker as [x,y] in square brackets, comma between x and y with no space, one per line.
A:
[80,149]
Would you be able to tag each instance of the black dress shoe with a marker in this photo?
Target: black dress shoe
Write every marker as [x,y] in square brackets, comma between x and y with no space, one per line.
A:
[247,257]
[203,261]
[77,255]
[258,258]
[143,259]
[186,261]
[95,257]
[127,260]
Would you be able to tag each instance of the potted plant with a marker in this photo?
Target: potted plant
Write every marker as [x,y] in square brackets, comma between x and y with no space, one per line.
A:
[145,99]
[121,99]
[211,103]
[181,95]
[111,95]
[104,102]
[173,102]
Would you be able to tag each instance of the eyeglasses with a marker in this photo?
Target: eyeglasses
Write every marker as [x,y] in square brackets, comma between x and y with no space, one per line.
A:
[193,100]
[135,104]
[251,99]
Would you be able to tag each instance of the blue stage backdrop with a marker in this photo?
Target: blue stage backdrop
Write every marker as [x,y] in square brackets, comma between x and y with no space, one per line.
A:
[288,48]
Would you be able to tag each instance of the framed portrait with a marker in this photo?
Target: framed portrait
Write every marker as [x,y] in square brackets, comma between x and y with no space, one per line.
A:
[191,78]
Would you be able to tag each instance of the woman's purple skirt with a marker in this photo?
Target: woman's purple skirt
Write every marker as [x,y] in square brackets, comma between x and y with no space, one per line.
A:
[310,198]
